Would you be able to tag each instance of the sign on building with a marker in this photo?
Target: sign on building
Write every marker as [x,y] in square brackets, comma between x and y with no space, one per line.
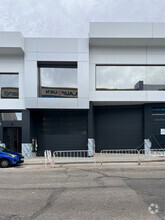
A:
[162,131]
[9,92]
[58,92]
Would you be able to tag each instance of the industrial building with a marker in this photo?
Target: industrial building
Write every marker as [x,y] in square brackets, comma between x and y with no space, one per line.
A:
[106,91]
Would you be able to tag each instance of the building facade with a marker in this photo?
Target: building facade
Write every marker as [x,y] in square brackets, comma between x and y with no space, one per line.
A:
[104,92]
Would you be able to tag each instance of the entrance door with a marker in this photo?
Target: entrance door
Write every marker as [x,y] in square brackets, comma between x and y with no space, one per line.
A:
[12,139]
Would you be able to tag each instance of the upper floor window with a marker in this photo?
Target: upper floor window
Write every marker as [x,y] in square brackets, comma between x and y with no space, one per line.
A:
[58,79]
[130,77]
[9,85]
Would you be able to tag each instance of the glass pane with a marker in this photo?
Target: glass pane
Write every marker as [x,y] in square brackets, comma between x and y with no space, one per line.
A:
[9,85]
[106,77]
[155,78]
[58,82]
[59,77]
[129,76]
[12,116]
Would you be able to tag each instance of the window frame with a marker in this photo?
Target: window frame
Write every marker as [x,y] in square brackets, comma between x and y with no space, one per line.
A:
[10,73]
[145,65]
[55,64]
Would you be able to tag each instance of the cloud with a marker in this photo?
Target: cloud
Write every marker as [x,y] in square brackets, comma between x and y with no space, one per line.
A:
[70,18]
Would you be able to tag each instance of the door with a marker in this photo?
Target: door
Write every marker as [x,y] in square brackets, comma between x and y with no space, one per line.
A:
[12,139]
[119,127]
[61,130]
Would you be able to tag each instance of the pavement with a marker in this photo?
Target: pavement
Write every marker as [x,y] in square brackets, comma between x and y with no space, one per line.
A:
[34,161]
[117,191]
[99,158]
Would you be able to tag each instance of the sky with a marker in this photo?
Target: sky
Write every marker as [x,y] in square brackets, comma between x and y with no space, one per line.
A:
[70,18]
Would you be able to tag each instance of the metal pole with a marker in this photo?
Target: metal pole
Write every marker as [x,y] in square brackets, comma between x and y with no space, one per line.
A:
[139,157]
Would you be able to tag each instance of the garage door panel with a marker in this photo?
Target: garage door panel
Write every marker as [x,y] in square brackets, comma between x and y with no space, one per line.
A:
[59,130]
[62,142]
[119,127]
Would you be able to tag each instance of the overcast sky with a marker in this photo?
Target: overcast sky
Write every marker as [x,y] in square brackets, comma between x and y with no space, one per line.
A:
[70,18]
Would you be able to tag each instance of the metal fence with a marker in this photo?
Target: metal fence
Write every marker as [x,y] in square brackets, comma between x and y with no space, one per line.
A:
[130,155]
[151,155]
[48,159]
[73,156]
[107,156]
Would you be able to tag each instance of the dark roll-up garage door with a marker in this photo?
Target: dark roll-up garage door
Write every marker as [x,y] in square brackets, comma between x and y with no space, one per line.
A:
[59,130]
[119,127]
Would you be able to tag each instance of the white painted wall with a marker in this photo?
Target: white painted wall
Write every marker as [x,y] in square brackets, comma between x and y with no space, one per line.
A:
[13,63]
[110,43]
[125,55]
[127,30]
[11,41]
[58,49]
[121,29]
[125,43]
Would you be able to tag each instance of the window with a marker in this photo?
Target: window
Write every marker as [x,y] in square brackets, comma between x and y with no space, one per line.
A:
[58,79]
[9,85]
[11,116]
[130,77]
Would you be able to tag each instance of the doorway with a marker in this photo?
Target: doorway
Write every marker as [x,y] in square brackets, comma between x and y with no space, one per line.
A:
[12,139]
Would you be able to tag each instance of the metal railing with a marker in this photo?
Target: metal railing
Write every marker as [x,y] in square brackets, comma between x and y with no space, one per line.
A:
[73,156]
[110,155]
[48,159]
[151,155]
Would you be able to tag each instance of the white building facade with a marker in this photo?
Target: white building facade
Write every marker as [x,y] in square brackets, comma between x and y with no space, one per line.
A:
[105,91]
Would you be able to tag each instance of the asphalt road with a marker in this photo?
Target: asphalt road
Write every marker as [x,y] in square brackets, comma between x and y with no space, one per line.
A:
[115,191]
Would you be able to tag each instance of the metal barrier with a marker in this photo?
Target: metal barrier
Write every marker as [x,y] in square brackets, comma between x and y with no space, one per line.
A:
[109,155]
[151,155]
[48,159]
[73,156]
[119,155]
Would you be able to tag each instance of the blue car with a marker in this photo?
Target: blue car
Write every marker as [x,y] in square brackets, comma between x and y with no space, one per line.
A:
[8,158]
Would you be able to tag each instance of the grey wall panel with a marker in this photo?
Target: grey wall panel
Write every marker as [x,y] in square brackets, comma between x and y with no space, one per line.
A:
[26,127]
[119,127]
[154,122]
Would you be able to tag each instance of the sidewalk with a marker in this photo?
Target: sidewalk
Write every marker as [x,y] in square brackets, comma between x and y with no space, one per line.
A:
[34,161]
[90,160]
[79,160]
